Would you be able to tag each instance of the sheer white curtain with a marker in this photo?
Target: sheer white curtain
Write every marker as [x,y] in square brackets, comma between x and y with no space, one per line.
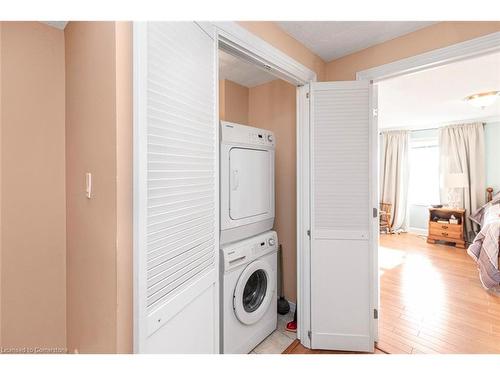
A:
[462,151]
[394,175]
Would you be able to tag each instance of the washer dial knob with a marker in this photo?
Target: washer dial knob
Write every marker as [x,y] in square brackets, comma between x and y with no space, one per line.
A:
[272,242]
[270,138]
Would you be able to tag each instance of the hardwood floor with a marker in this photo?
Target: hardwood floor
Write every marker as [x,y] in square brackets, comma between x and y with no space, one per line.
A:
[431,300]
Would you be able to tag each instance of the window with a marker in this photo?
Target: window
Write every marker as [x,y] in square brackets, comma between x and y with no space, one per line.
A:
[424,171]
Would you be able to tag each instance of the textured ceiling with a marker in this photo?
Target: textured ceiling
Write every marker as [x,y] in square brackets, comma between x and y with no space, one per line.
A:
[333,39]
[241,72]
[435,96]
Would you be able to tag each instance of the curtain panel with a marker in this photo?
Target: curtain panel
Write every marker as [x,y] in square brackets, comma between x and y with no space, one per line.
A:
[461,149]
[394,175]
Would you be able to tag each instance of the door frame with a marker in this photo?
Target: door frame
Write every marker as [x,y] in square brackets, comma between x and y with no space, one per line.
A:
[476,47]
[254,49]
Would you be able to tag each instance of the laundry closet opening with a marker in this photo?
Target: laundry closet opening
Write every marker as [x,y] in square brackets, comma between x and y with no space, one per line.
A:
[258,203]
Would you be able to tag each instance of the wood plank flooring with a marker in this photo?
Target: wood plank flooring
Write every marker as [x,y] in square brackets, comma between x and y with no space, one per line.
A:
[431,300]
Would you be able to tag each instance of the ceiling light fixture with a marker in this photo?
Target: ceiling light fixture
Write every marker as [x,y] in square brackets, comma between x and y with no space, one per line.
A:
[482,99]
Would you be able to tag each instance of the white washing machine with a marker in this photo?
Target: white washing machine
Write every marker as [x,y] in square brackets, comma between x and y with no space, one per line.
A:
[247,181]
[248,292]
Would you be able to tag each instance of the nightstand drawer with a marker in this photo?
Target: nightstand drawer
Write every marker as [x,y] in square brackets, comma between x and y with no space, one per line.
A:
[438,227]
[445,231]
[445,234]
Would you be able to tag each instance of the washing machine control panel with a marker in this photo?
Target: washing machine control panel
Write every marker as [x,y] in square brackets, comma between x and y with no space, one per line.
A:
[243,252]
[234,257]
[237,133]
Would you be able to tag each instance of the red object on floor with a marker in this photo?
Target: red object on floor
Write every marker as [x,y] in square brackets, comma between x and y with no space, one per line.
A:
[292,326]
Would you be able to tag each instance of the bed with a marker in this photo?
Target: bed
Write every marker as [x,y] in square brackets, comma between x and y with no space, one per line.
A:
[485,247]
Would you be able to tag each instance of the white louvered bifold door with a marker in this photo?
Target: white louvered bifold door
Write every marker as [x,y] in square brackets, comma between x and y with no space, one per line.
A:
[176,191]
[341,216]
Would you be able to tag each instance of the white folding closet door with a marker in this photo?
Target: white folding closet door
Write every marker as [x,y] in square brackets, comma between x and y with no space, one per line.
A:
[341,217]
[176,189]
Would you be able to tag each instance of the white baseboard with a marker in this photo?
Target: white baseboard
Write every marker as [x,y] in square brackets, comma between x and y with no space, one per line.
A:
[420,231]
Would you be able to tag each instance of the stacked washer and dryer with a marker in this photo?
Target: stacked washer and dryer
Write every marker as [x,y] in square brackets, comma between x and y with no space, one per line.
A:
[248,270]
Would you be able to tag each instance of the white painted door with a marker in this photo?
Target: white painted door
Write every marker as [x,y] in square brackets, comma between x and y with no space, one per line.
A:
[343,235]
[175,189]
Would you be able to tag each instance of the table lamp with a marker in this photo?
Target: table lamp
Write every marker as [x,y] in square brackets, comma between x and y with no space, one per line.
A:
[454,182]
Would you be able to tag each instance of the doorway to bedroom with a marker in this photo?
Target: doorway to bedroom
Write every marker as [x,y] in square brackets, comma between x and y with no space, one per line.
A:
[439,140]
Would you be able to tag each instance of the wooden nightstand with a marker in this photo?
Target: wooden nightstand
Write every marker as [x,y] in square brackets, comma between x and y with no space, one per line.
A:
[446,231]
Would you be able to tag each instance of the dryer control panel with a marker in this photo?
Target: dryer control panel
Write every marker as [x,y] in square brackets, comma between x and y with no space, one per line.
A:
[243,252]
[248,135]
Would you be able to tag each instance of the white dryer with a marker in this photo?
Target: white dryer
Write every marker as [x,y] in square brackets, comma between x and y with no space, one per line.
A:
[248,292]
[247,181]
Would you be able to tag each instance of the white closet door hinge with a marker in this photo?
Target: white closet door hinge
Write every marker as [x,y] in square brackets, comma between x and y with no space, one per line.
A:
[375,112]
[307,95]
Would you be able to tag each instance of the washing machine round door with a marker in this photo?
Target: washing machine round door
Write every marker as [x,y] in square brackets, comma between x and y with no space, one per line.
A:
[253,292]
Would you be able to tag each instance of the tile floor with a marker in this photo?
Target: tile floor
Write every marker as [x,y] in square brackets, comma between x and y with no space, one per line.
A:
[279,340]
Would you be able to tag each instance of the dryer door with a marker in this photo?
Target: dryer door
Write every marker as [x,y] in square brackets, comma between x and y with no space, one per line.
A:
[253,292]
[250,183]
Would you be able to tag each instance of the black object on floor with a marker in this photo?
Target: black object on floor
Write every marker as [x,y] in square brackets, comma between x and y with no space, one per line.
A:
[283,305]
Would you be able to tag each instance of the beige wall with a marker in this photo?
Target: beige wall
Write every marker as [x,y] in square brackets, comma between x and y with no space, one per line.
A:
[33,240]
[435,36]
[98,140]
[277,37]
[273,106]
[233,102]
